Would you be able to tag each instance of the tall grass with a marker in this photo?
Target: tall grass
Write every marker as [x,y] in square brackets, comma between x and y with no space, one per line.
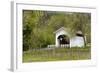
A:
[57,54]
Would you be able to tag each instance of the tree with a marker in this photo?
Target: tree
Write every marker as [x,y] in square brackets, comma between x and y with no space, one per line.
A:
[38,26]
[83,23]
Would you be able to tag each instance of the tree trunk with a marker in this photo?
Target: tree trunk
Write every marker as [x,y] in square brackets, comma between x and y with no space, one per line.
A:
[84,41]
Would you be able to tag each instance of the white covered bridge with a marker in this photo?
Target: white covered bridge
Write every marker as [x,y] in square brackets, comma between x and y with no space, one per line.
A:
[63,39]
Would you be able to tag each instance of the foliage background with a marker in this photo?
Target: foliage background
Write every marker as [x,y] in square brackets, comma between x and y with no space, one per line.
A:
[38,26]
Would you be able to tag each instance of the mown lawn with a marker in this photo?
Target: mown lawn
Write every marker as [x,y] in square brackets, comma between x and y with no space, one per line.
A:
[57,54]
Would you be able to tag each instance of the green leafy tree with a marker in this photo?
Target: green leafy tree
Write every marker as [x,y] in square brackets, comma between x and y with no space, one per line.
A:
[38,26]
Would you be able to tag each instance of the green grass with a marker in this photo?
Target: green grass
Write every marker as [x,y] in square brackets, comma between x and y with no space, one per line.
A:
[57,54]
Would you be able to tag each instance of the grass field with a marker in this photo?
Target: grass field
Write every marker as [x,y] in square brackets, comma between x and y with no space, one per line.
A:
[57,54]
